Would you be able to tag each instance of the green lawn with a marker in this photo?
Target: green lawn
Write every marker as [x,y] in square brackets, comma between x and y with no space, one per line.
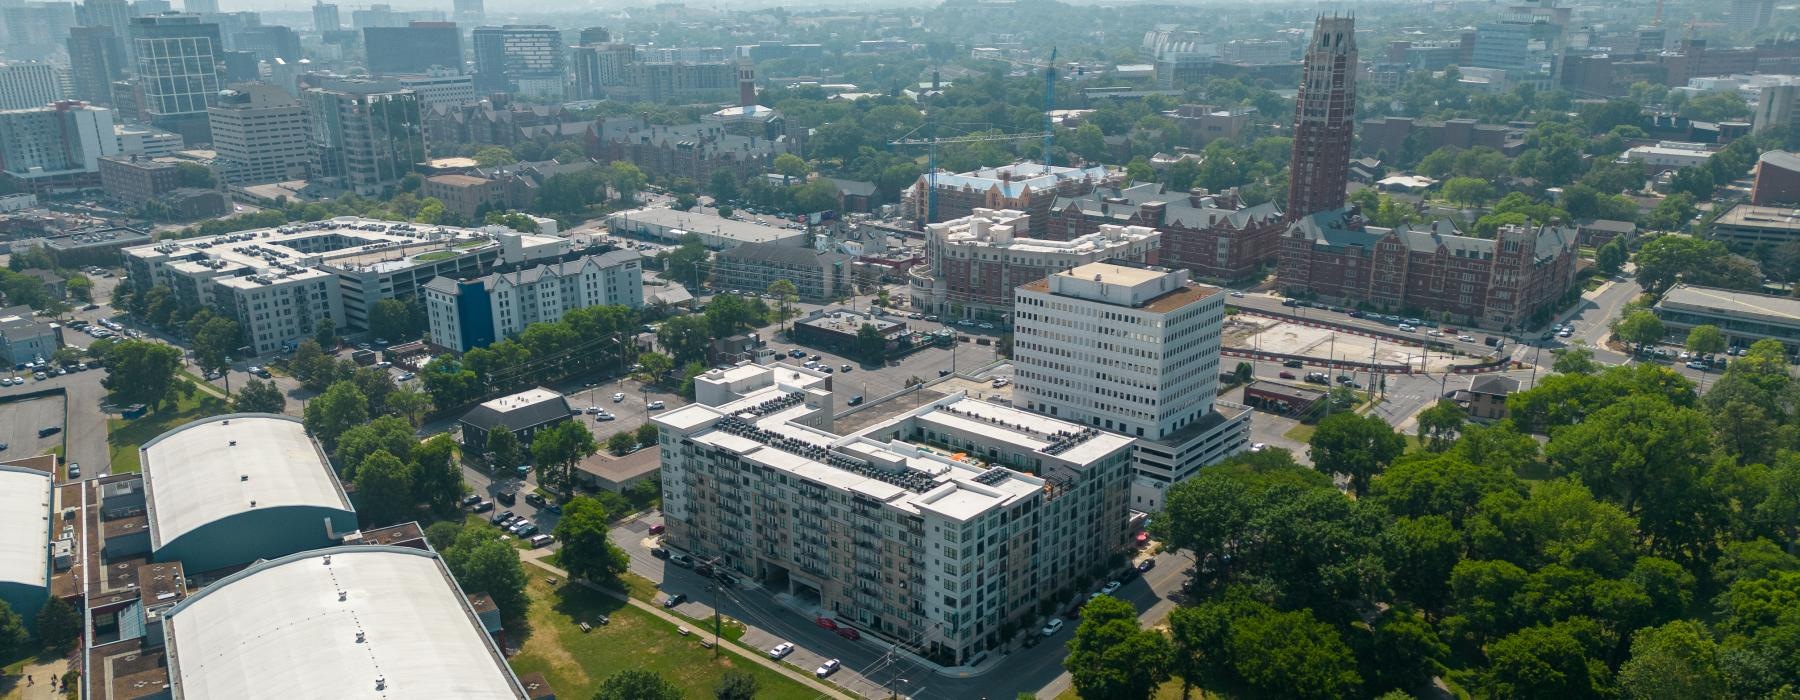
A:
[436,255]
[472,244]
[124,436]
[575,662]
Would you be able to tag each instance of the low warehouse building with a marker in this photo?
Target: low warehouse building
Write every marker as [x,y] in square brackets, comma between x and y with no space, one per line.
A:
[232,489]
[345,622]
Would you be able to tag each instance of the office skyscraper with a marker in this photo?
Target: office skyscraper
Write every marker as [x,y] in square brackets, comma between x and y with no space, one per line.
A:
[1324,118]
[415,48]
[260,134]
[1133,349]
[591,36]
[179,71]
[366,135]
[519,58]
[468,13]
[325,17]
[96,59]
[57,144]
[1748,15]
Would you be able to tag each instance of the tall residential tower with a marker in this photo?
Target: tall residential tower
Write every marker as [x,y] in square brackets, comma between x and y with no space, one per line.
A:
[1324,114]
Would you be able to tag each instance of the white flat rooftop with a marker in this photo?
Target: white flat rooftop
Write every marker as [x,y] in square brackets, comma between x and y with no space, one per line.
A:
[348,622]
[529,397]
[218,467]
[24,526]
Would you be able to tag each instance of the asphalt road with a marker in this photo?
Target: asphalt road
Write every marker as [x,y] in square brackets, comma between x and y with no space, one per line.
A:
[84,434]
[870,666]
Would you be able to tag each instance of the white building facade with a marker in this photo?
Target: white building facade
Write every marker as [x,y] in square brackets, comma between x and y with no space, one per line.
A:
[1132,349]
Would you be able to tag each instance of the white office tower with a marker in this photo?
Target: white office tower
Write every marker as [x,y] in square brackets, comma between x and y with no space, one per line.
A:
[1133,349]
[261,135]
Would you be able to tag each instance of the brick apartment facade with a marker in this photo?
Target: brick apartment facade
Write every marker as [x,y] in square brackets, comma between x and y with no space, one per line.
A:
[466,195]
[138,180]
[1215,236]
[1493,283]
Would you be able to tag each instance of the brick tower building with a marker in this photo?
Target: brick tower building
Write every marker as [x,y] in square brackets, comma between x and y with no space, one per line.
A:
[1324,114]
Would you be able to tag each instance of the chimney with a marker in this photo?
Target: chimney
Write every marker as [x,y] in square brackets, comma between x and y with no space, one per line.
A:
[1152,212]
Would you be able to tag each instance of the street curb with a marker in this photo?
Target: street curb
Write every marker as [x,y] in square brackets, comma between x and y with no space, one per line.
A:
[778,667]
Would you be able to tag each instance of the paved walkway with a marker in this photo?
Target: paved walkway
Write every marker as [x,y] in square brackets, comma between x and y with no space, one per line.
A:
[38,687]
[535,557]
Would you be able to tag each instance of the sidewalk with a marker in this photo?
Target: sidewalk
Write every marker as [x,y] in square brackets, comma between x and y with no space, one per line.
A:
[535,558]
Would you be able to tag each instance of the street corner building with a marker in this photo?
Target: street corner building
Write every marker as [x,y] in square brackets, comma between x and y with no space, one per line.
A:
[944,528]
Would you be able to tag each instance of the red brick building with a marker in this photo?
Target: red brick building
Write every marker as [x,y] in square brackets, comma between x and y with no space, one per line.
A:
[692,151]
[1324,119]
[1494,283]
[1024,186]
[1215,236]
[973,264]
[1777,180]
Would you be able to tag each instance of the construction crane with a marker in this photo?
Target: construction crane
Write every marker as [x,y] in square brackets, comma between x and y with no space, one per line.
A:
[932,142]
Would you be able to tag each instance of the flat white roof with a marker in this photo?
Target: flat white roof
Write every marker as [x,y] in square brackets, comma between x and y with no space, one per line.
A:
[194,475]
[24,526]
[529,397]
[280,629]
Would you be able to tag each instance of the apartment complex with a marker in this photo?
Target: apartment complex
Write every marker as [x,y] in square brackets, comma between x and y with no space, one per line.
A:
[1501,282]
[474,313]
[278,283]
[1132,349]
[1215,236]
[943,528]
[366,135]
[1027,187]
[752,267]
[973,263]
[55,147]
[261,134]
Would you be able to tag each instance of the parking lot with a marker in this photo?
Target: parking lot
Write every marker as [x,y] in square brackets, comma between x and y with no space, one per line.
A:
[20,421]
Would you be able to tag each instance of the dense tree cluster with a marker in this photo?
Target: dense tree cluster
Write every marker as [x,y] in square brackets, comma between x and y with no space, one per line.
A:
[1644,550]
[585,340]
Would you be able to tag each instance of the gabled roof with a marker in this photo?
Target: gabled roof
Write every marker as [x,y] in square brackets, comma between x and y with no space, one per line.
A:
[1178,208]
[1493,385]
[785,254]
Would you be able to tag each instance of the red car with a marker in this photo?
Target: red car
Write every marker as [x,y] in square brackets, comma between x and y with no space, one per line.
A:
[826,623]
[1287,375]
[656,529]
[849,633]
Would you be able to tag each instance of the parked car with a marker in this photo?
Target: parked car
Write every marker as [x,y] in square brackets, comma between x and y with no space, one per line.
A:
[482,507]
[471,499]
[674,599]
[1239,295]
[856,400]
[603,417]
[826,623]
[261,372]
[657,529]
[849,633]
[829,667]
[74,470]
[781,650]
[1696,364]
[1296,364]
[654,405]
[1286,375]
[542,540]
[846,367]
[1053,626]
[1109,588]
[49,430]
[659,552]
[501,517]
[534,499]
[1146,565]
[506,497]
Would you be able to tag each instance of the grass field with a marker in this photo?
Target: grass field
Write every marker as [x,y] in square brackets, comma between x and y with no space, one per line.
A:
[124,436]
[436,255]
[576,662]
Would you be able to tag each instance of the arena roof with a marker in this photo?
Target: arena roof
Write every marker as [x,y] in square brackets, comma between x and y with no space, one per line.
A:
[353,621]
[24,526]
[215,468]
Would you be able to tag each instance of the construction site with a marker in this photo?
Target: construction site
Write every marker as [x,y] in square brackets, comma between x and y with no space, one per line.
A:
[1287,338]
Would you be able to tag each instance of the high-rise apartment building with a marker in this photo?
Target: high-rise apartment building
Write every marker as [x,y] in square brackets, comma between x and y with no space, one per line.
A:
[526,59]
[601,67]
[366,136]
[261,135]
[415,48]
[96,59]
[268,42]
[1749,15]
[1131,349]
[35,30]
[468,13]
[28,85]
[325,17]
[179,70]
[941,529]
[1324,119]
[57,145]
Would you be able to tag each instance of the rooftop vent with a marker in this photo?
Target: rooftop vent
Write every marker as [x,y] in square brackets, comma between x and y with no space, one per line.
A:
[343,596]
[234,443]
[243,477]
[361,637]
[381,684]
[328,560]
